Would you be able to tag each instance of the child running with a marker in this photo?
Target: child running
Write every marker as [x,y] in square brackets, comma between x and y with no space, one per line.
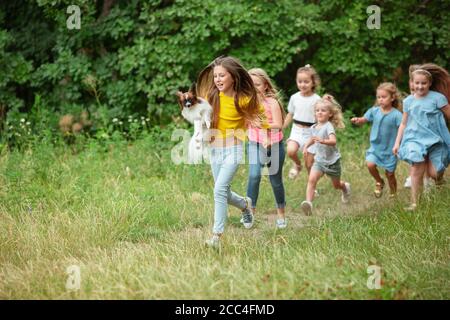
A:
[266,148]
[229,89]
[423,139]
[427,181]
[301,111]
[385,118]
[327,157]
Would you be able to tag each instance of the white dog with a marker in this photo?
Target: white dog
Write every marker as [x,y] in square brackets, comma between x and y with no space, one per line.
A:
[198,112]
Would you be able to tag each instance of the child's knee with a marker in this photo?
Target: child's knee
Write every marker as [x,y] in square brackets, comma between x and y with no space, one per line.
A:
[292,152]
[254,177]
[371,165]
[220,190]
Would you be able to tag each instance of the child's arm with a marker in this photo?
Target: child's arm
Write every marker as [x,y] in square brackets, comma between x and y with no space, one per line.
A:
[331,141]
[401,128]
[307,145]
[288,120]
[358,121]
[446,111]
[277,117]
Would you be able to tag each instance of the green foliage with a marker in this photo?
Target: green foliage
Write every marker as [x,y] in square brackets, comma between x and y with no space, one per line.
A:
[139,52]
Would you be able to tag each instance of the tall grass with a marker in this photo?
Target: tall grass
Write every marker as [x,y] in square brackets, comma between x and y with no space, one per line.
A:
[135,224]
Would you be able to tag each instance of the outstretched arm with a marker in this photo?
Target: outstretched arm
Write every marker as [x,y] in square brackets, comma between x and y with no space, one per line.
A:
[357,120]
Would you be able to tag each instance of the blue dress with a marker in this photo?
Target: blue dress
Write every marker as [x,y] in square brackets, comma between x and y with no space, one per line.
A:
[426,133]
[382,137]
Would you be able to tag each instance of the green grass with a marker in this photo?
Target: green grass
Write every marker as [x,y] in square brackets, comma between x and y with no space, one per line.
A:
[139,233]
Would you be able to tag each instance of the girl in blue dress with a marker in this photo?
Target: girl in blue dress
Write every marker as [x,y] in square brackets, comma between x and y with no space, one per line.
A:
[385,118]
[423,139]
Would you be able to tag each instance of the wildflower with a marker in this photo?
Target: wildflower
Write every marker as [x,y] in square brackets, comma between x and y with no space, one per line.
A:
[22,120]
[28,123]
[115,120]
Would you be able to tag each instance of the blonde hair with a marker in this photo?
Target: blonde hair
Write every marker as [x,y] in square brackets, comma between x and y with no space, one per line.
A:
[242,85]
[271,90]
[336,119]
[312,73]
[392,89]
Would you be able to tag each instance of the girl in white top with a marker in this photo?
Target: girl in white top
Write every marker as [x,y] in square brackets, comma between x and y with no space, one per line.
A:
[301,111]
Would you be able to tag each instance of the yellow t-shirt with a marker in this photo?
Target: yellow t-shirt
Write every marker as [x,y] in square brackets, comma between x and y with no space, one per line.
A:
[231,122]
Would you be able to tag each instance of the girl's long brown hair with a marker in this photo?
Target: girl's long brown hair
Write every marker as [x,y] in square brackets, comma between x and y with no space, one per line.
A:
[243,88]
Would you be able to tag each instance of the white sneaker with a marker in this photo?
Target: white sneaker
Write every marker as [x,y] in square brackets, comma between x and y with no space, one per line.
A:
[281,223]
[307,207]
[214,242]
[346,194]
[407,183]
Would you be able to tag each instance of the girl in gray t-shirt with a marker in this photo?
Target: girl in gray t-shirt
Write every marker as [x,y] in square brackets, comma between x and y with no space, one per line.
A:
[327,158]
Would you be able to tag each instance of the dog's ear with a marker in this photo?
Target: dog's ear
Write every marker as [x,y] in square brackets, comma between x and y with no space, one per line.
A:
[180,99]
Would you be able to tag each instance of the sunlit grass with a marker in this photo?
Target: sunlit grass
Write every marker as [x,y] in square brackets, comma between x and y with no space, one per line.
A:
[135,224]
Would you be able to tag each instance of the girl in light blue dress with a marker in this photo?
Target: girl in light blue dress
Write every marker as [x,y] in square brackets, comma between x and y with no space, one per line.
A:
[385,118]
[423,139]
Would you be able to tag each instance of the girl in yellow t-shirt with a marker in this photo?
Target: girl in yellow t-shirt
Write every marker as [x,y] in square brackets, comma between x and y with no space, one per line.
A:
[230,91]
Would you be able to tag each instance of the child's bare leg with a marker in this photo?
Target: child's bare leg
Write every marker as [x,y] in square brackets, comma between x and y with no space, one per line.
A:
[281,213]
[392,181]
[374,172]
[338,183]
[417,172]
[432,173]
[313,178]
[292,151]
[309,161]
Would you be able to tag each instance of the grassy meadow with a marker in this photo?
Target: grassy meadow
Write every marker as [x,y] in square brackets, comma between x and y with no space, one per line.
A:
[135,224]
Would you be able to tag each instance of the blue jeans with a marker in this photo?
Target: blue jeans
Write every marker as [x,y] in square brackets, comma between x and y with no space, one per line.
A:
[224,164]
[273,157]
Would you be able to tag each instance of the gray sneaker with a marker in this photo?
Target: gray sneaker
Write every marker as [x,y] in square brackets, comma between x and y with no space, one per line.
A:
[248,202]
[247,218]
[214,242]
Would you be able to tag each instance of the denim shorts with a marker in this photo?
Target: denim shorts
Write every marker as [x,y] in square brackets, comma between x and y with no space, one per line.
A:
[332,170]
